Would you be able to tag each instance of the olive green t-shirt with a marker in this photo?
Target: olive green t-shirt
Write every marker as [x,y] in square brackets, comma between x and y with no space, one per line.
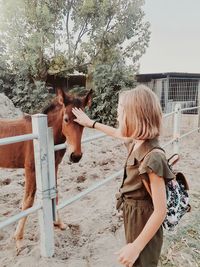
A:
[140,162]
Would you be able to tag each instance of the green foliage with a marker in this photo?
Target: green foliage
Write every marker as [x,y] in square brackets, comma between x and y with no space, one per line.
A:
[114,29]
[39,33]
[28,30]
[109,81]
[27,33]
[78,90]
[31,98]
[57,37]
[6,79]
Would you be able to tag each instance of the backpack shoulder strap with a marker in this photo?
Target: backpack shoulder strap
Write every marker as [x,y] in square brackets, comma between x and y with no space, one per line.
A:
[173,159]
[157,148]
[145,183]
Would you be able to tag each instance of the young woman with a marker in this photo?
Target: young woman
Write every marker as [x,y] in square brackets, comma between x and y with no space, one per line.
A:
[139,116]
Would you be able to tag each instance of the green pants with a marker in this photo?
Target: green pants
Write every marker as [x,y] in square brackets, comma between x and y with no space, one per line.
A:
[136,213]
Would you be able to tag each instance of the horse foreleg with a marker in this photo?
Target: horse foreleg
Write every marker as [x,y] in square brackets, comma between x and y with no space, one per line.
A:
[28,199]
[58,223]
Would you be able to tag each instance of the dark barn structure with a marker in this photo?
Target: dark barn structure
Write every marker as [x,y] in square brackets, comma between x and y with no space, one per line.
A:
[66,83]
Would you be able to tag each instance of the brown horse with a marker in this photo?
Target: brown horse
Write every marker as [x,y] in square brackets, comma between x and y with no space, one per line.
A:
[20,155]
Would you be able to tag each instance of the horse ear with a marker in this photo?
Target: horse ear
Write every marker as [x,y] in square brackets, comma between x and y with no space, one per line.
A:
[62,97]
[88,98]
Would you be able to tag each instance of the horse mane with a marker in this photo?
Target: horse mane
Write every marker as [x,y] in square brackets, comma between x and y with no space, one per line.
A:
[51,106]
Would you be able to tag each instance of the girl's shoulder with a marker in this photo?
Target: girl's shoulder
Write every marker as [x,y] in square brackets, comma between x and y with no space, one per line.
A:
[156,161]
[156,153]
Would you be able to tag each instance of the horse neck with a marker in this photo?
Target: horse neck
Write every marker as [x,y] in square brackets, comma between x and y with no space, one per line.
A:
[55,121]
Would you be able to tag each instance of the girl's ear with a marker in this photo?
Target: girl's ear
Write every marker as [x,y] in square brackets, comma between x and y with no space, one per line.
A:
[87,100]
[63,99]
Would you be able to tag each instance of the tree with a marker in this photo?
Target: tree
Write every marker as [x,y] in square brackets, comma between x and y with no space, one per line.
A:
[111,35]
[58,37]
[28,33]
[41,34]
[109,81]
[28,29]
[6,79]
[104,31]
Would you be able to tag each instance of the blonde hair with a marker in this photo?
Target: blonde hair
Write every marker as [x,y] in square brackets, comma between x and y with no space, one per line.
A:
[140,113]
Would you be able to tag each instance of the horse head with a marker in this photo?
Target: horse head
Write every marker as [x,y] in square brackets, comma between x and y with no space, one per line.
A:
[71,129]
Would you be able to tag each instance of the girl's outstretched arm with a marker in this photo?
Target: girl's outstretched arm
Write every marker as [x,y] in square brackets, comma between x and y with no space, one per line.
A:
[85,121]
[129,253]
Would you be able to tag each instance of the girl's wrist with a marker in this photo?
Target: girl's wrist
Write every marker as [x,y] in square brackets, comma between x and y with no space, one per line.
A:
[93,124]
[136,245]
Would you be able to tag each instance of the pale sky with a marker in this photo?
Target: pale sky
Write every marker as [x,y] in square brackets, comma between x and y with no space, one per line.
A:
[175,36]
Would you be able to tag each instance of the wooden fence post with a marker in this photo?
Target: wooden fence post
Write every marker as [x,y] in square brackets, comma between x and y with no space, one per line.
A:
[39,124]
[177,128]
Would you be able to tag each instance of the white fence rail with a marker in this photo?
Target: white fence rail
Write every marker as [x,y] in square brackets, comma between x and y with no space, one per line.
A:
[16,139]
[44,148]
[20,215]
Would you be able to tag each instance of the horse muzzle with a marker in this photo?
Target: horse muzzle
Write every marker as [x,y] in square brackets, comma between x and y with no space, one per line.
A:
[75,158]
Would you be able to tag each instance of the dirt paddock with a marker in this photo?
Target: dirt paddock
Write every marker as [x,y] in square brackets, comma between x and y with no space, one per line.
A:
[95,229]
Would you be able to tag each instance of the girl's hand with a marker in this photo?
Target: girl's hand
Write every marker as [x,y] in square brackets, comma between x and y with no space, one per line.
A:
[82,118]
[128,255]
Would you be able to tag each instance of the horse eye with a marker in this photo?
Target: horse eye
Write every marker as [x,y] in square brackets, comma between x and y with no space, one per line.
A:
[66,118]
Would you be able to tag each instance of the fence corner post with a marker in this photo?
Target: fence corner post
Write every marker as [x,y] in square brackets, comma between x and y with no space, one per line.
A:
[177,128]
[39,124]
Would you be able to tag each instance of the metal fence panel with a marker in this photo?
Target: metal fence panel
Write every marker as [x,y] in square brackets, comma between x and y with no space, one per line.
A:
[172,91]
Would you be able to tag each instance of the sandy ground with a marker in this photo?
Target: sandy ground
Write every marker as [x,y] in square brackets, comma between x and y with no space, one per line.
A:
[94,227]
